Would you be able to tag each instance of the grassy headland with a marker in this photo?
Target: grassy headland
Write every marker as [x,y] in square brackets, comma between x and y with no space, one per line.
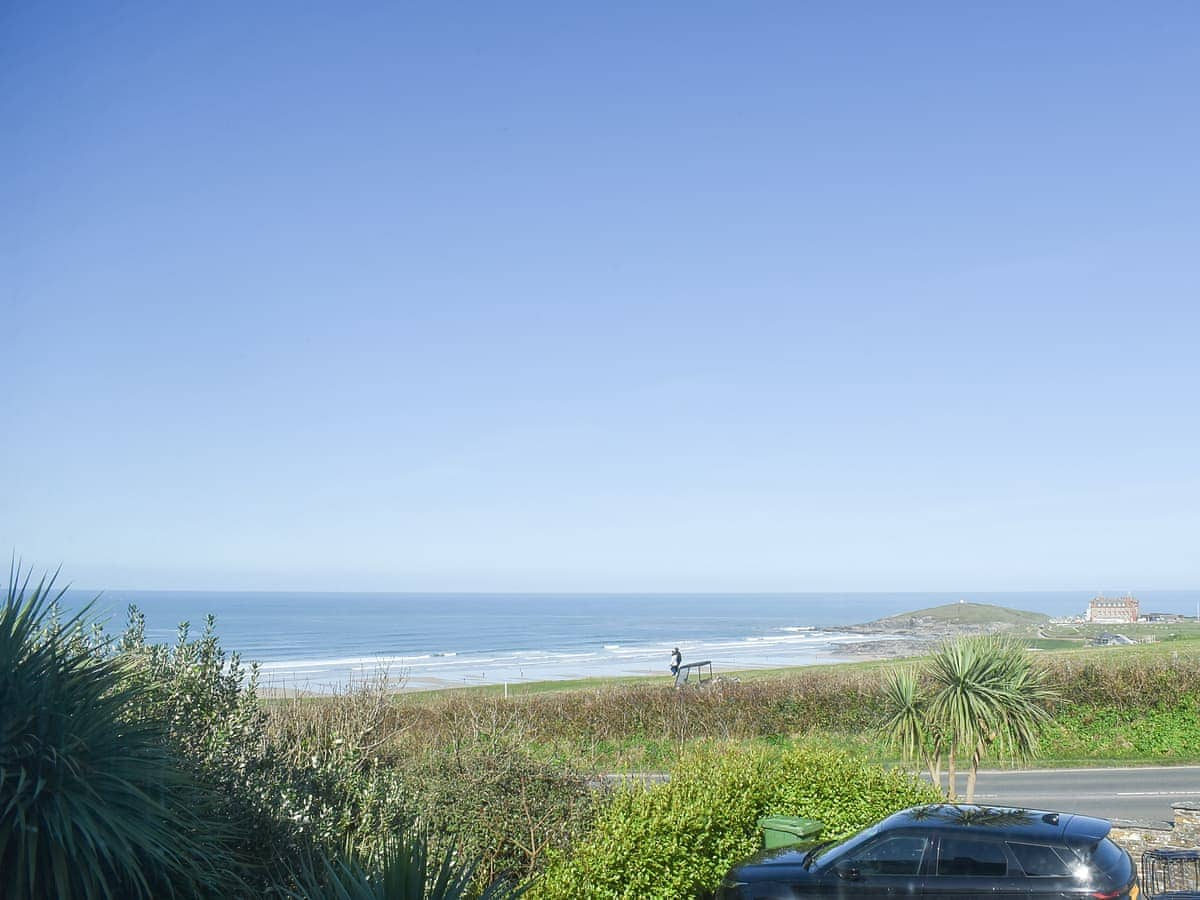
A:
[985,615]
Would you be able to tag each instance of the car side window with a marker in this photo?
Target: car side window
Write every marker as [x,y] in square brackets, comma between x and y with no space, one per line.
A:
[971,858]
[1040,861]
[899,854]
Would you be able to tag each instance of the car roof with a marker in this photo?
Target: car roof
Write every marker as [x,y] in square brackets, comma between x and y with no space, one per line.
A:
[1010,823]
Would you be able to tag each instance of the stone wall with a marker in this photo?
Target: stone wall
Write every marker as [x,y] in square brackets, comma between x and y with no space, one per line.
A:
[1139,836]
[1183,833]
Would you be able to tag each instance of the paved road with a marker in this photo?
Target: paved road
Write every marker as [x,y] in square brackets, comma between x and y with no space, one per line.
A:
[1133,793]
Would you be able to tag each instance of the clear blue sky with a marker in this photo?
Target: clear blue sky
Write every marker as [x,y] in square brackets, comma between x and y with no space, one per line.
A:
[513,296]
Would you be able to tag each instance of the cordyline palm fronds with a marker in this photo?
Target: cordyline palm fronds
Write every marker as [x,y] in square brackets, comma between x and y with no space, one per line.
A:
[985,694]
[907,724]
[401,869]
[91,803]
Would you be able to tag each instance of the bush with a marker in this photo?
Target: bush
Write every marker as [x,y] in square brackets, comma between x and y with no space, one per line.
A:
[214,725]
[1125,681]
[482,794]
[678,839]
[499,806]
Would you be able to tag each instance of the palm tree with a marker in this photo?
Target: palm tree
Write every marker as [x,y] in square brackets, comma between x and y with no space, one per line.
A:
[1022,699]
[985,694]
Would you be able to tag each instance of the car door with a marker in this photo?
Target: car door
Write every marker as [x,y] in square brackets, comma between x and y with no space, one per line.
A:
[889,866]
[970,867]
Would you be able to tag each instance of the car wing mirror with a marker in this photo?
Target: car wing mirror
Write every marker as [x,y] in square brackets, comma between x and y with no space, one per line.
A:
[849,872]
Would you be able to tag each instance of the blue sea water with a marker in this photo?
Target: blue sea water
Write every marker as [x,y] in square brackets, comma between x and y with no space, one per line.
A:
[320,641]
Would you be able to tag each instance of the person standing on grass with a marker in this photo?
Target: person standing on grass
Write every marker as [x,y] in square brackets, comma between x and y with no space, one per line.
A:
[676,661]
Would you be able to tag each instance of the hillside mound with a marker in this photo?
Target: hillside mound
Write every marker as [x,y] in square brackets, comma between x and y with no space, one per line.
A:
[955,619]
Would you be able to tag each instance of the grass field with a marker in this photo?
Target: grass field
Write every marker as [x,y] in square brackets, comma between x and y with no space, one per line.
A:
[1178,631]
[1170,641]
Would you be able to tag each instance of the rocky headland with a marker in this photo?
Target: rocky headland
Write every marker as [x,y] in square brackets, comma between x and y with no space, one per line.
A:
[918,632]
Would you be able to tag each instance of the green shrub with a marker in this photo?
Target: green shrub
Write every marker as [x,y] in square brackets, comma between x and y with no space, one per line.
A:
[678,839]
[498,805]
[214,725]
[1125,681]
[845,792]
[483,794]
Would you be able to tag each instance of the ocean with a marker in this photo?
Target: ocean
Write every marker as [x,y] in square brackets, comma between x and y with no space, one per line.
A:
[322,641]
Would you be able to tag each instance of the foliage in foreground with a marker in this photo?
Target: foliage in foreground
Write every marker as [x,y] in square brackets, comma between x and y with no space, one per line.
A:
[132,770]
[303,787]
[92,802]
[209,710]
[678,839]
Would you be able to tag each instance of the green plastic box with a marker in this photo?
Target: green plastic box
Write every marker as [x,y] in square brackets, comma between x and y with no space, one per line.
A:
[780,831]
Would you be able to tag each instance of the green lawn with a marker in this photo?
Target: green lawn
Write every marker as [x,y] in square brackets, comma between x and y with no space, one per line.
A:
[1175,639]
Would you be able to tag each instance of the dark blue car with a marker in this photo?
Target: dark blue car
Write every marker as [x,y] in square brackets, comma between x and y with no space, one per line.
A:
[950,852]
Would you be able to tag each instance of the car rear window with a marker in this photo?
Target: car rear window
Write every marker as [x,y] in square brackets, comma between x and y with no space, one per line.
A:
[967,858]
[1040,861]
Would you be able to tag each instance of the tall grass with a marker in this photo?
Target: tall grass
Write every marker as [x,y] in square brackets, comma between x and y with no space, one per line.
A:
[807,701]
[606,726]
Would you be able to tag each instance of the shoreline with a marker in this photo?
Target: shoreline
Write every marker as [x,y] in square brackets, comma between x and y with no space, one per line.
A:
[882,649]
[908,635]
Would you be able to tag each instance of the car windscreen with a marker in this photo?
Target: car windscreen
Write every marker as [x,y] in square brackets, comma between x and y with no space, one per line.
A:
[835,850]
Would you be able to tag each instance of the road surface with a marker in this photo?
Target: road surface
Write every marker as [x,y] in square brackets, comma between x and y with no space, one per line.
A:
[1144,793]
[1132,793]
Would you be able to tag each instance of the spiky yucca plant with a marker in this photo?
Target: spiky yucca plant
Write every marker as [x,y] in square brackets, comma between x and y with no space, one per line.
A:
[91,803]
[402,868]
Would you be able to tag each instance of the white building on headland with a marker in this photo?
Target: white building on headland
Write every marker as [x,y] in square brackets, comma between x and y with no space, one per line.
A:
[1113,610]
